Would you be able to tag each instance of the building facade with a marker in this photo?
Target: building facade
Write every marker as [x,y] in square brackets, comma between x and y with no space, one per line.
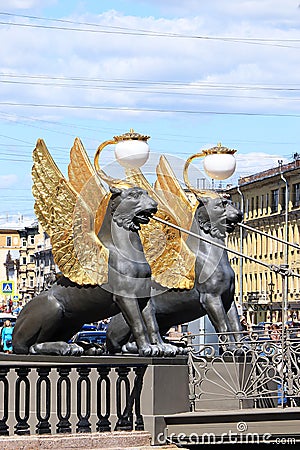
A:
[9,263]
[27,270]
[45,267]
[270,201]
[26,263]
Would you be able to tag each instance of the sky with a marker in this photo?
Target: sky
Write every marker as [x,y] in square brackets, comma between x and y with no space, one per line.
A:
[188,73]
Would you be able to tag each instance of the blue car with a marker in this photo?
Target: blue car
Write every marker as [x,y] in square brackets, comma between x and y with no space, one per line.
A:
[88,327]
[7,316]
[91,337]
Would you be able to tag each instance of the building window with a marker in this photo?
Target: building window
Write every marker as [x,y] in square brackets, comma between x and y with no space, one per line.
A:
[296,194]
[24,260]
[257,204]
[267,203]
[262,204]
[31,281]
[252,205]
[247,208]
[283,202]
[274,200]
[24,242]
[24,282]
[31,239]
[31,258]
[8,241]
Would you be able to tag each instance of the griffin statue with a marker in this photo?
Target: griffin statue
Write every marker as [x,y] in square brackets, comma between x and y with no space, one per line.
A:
[115,258]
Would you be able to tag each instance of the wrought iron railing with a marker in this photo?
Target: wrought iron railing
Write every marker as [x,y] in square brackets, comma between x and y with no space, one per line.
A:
[257,372]
[48,395]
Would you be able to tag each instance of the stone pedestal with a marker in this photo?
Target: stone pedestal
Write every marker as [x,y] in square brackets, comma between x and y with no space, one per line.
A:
[165,392]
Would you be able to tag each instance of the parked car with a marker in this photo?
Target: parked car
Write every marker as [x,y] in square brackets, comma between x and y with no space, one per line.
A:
[261,328]
[88,327]
[7,316]
[92,337]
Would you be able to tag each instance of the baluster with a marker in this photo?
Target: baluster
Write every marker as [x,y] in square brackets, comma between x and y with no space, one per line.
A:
[3,379]
[64,425]
[138,382]
[135,399]
[43,426]
[124,422]
[103,423]
[22,427]
[83,425]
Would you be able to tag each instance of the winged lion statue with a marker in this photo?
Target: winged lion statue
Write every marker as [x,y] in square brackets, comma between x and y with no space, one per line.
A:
[213,284]
[96,244]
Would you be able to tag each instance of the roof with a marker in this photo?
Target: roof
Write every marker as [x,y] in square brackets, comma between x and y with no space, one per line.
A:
[294,165]
[17,223]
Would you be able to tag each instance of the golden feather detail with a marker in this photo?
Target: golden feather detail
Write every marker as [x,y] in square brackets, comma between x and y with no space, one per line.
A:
[172,262]
[69,219]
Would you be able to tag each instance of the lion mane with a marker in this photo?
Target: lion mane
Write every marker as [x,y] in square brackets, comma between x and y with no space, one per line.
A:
[214,218]
[126,205]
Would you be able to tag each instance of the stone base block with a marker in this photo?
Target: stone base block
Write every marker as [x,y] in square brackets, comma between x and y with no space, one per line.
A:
[87,441]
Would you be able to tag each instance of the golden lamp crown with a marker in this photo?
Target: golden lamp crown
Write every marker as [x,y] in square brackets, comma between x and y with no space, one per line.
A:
[131,135]
[218,149]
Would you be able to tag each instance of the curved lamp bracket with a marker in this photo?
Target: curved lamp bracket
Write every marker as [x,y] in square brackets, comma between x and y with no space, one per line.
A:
[115,182]
[219,164]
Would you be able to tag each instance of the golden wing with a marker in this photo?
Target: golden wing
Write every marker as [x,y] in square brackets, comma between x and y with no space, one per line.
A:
[86,182]
[171,261]
[69,221]
[168,188]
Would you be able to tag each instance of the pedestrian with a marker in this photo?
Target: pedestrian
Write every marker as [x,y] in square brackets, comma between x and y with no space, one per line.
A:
[275,335]
[6,337]
[274,332]
[244,324]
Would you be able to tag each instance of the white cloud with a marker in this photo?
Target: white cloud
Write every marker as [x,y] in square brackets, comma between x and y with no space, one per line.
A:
[197,75]
[24,4]
[194,63]
[8,180]
[255,162]
[227,11]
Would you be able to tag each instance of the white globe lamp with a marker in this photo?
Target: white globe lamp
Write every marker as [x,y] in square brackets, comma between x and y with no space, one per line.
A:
[132,153]
[219,166]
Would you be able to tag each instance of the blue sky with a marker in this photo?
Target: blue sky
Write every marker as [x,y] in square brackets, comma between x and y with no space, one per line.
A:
[189,74]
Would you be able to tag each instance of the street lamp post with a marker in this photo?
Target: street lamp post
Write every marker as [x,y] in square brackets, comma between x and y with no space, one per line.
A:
[271,290]
[241,274]
[286,249]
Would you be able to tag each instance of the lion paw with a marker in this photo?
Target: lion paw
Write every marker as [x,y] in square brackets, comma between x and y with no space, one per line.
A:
[183,350]
[96,350]
[130,347]
[145,350]
[169,350]
[150,350]
[59,348]
[74,350]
